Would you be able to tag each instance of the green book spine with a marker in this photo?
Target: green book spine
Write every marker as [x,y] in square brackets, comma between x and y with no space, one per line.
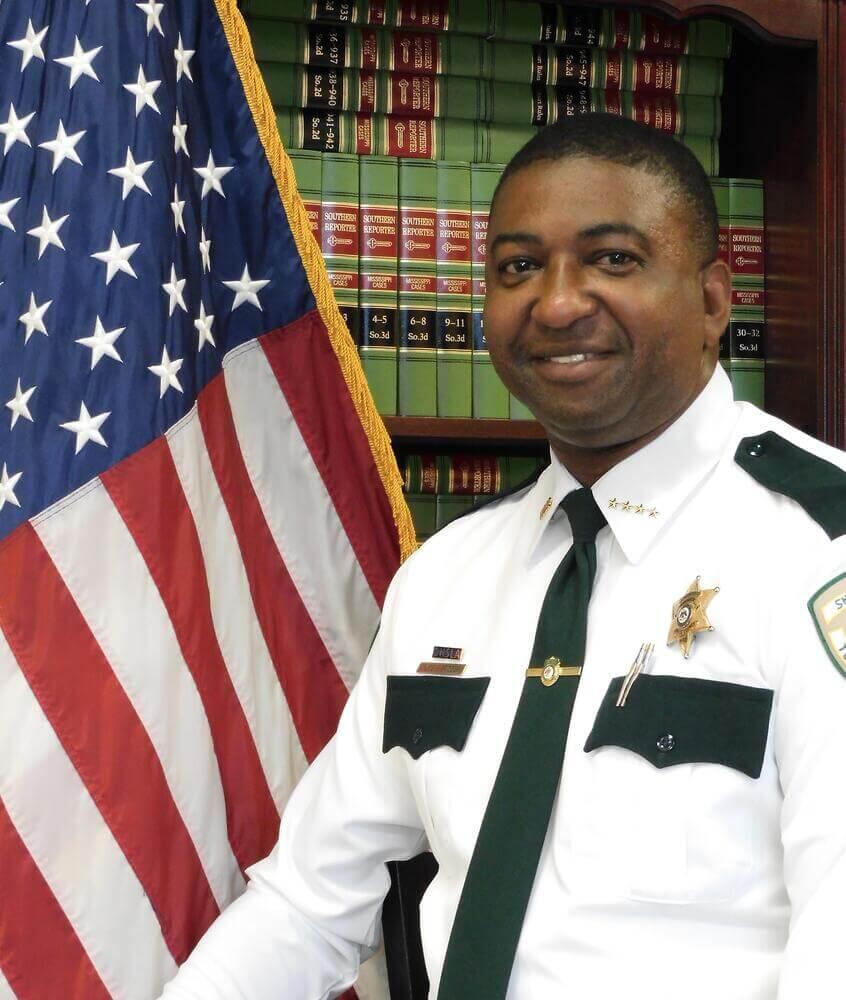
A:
[518,468]
[339,234]
[490,397]
[308,169]
[470,474]
[453,333]
[639,72]
[417,381]
[423,509]
[720,190]
[378,197]
[697,37]
[518,410]
[420,473]
[448,506]
[747,252]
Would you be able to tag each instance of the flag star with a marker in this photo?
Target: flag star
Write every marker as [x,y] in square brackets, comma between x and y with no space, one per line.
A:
[15,129]
[30,44]
[174,290]
[47,233]
[177,207]
[183,57]
[245,289]
[116,258]
[33,318]
[18,404]
[179,130]
[211,176]
[203,325]
[153,11]
[5,209]
[87,428]
[80,62]
[7,487]
[102,342]
[63,147]
[132,174]
[205,250]
[166,372]
[143,89]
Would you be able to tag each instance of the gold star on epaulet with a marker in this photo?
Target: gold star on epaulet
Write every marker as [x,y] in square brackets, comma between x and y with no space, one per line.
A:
[689,616]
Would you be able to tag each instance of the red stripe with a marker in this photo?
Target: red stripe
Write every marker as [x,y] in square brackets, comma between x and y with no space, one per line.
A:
[40,954]
[311,379]
[148,494]
[104,738]
[314,691]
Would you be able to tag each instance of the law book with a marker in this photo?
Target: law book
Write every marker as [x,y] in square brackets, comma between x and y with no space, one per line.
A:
[423,510]
[378,286]
[448,506]
[747,252]
[516,21]
[417,270]
[308,170]
[490,397]
[465,473]
[453,331]
[339,232]
[429,139]
[463,55]
[412,95]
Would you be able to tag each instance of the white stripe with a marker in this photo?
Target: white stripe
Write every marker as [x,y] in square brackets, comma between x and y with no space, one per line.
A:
[299,512]
[107,577]
[74,849]
[239,634]
[6,992]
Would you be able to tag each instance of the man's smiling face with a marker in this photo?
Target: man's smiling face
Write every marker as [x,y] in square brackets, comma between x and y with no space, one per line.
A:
[599,313]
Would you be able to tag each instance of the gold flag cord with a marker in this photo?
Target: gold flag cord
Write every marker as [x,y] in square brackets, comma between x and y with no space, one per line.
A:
[342,343]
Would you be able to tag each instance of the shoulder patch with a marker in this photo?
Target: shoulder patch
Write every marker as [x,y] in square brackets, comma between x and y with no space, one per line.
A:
[828,609]
[528,481]
[815,484]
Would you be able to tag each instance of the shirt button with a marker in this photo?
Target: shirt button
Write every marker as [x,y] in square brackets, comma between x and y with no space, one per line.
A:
[756,449]
[665,743]
[417,736]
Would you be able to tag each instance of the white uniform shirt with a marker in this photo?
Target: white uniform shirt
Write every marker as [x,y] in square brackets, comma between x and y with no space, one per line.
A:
[693,880]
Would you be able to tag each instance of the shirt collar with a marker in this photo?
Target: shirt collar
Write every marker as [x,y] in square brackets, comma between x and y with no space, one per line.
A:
[640,495]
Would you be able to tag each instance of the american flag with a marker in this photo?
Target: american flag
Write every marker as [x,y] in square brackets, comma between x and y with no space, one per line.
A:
[199,514]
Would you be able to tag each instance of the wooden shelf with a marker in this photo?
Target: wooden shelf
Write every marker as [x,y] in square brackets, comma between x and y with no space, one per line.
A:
[463,431]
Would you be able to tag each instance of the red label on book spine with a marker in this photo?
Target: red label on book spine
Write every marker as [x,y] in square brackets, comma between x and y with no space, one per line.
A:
[367,91]
[428,474]
[412,137]
[344,280]
[423,14]
[339,229]
[750,297]
[657,111]
[378,282]
[654,74]
[363,134]
[369,49]
[723,244]
[313,209]
[418,229]
[613,70]
[455,286]
[412,94]
[420,284]
[480,232]
[622,28]
[379,232]
[613,104]
[663,36]
[479,288]
[415,53]
[747,251]
[376,12]
[453,237]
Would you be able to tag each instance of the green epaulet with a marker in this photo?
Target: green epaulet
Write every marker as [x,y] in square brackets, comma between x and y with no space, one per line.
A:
[528,481]
[818,486]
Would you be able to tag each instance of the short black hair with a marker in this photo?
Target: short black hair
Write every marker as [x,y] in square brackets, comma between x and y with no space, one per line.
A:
[619,140]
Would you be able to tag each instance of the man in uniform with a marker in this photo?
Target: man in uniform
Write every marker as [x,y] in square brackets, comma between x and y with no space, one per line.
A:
[613,703]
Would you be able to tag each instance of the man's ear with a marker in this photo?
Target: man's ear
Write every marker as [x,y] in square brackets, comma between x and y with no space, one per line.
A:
[716,298]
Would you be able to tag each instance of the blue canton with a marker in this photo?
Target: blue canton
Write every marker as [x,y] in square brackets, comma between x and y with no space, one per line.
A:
[141,235]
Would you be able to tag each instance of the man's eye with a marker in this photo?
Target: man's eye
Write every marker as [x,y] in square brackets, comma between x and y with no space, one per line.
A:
[517,265]
[616,259]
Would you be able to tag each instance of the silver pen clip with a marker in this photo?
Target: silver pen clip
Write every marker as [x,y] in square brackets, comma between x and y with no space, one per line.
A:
[635,670]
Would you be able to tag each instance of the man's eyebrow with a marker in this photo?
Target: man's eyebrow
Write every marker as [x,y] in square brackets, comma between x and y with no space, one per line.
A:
[616,229]
[516,237]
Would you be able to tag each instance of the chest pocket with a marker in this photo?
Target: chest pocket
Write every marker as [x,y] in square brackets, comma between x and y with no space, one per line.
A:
[685,720]
[683,806]
[423,713]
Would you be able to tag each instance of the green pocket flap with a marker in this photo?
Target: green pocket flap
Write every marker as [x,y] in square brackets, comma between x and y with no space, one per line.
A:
[422,713]
[686,720]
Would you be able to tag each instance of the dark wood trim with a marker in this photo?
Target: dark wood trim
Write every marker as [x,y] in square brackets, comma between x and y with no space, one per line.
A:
[458,430]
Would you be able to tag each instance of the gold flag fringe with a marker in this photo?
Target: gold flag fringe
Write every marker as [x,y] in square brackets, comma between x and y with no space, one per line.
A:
[339,336]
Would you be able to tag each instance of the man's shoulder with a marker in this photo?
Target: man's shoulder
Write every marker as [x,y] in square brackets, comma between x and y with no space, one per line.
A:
[787,462]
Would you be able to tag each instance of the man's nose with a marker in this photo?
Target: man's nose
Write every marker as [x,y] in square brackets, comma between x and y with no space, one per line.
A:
[563,296]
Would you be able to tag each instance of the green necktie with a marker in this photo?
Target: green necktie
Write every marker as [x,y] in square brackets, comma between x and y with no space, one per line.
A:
[502,870]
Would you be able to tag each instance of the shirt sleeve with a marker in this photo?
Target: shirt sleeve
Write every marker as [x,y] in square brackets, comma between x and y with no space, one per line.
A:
[311,909]
[810,735]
